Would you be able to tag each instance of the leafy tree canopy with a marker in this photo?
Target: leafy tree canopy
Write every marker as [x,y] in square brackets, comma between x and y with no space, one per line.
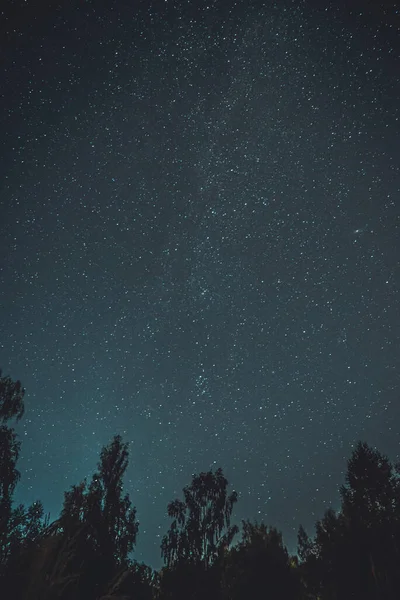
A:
[202,521]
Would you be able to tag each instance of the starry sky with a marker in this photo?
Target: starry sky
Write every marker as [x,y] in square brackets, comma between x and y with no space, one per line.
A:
[200,244]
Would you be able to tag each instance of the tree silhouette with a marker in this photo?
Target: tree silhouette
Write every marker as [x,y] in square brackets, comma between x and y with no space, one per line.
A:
[199,534]
[308,564]
[369,494]
[20,528]
[355,551]
[11,406]
[86,553]
[26,529]
[108,513]
[260,566]
[371,506]
[118,515]
[11,399]
[9,475]
[202,522]
[101,519]
[137,582]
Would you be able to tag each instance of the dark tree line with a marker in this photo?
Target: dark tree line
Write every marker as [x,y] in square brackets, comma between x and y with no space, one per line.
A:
[87,553]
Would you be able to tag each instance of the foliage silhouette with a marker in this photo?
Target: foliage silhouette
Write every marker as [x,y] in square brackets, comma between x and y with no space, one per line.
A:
[11,522]
[111,519]
[355,551]
[86,553]
[202,522]
[199,535]
[260,561]
[11,399]
[98,524]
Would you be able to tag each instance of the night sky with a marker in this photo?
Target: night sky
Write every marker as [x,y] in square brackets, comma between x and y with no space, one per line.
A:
[200,246]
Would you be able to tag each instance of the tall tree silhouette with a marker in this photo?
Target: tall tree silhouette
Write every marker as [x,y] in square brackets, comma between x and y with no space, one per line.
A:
[117,513]
[20,527]
[355,552]
[200,532]
[202,522]
[371,506]
[101,519]
[308,563]
[85,552]
[370,492]
[104,509]
[260,566]
[11,399]
[11,407]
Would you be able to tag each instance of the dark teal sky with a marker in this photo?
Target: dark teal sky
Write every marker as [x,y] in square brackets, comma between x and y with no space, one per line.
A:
[200,247]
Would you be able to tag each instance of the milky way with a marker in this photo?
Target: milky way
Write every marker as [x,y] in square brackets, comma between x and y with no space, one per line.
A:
[200,247]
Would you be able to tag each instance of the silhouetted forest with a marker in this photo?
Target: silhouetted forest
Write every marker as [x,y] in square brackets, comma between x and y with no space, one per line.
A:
[87,553]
